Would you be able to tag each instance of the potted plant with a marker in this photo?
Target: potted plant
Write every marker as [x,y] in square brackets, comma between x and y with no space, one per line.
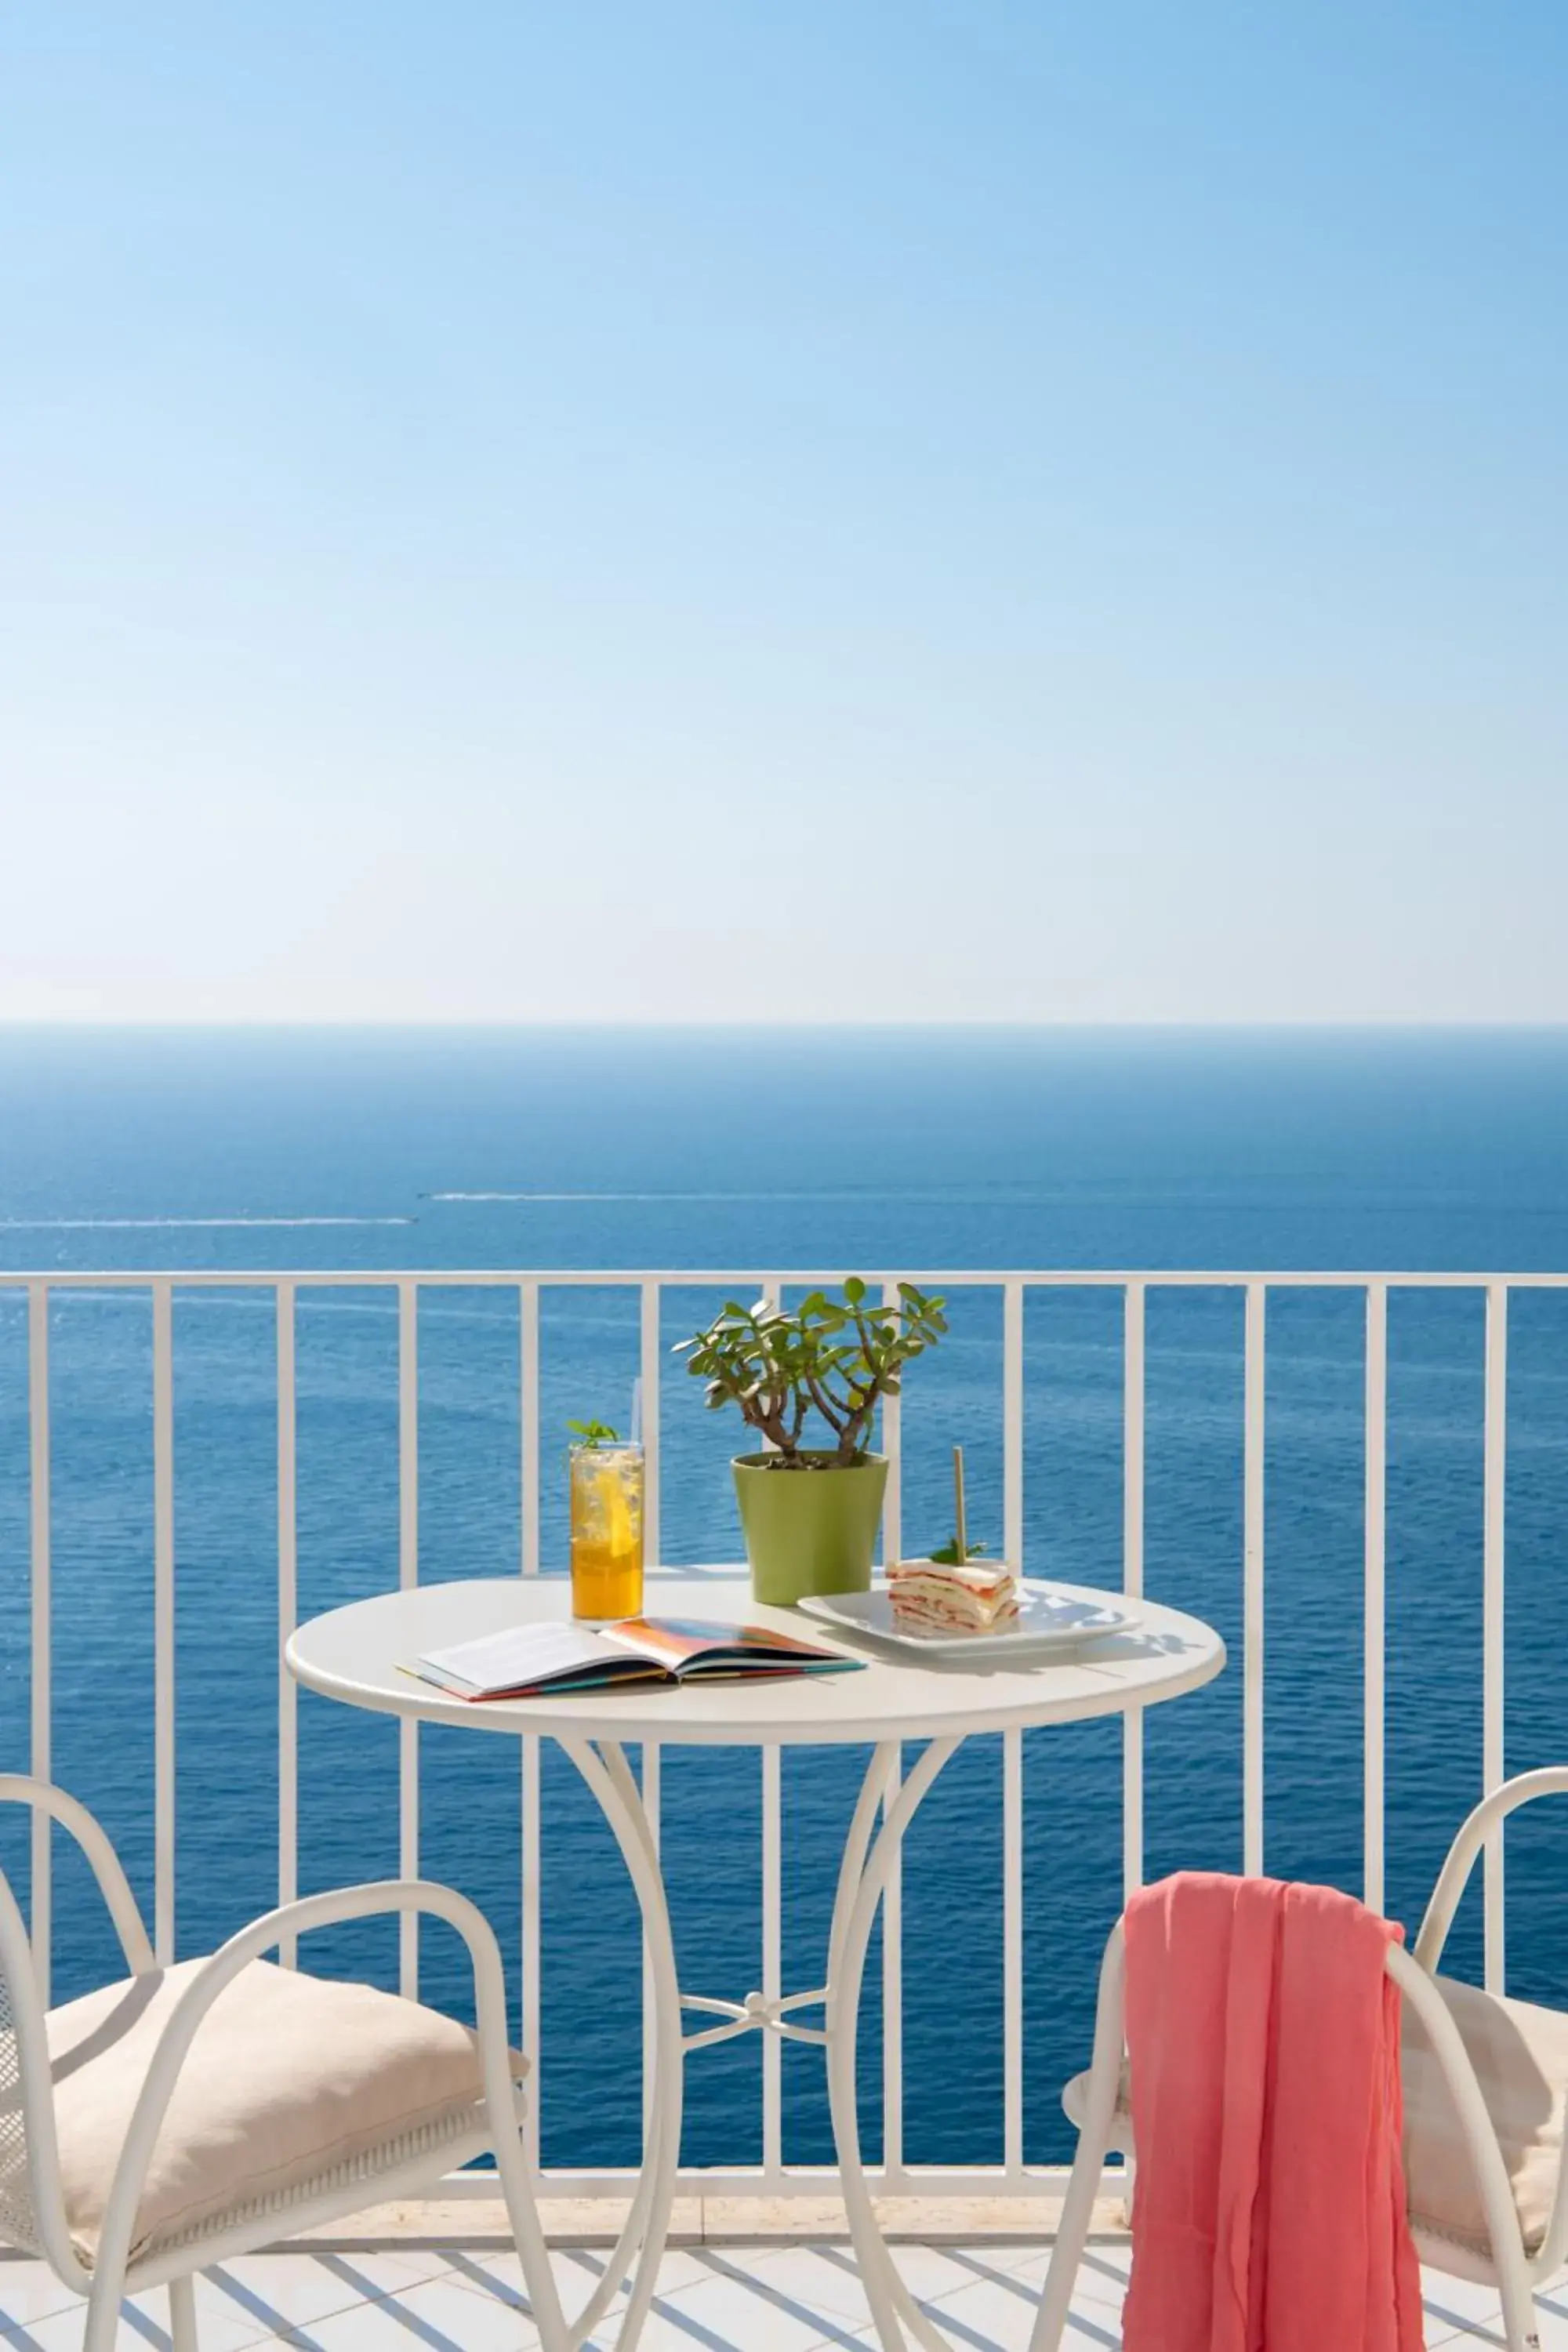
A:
[810,1514]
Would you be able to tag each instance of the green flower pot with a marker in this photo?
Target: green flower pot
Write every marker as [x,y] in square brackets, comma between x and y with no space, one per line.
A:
[809,1530]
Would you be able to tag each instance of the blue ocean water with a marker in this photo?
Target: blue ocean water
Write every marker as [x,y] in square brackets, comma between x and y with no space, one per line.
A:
[856,1152]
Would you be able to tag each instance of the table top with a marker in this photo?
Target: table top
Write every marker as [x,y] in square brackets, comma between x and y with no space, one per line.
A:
[358,1655]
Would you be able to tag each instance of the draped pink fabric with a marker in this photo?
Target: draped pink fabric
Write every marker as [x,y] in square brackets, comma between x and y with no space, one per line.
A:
[1269,2206]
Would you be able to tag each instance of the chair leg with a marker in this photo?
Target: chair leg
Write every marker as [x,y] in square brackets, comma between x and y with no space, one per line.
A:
[1093,2146]
[182,2314]
[100,2332]
[1130,2178]
[1072,2235]
[529,2238]
[1520,2332]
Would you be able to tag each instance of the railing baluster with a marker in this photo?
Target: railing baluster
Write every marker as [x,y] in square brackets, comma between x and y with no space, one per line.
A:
[528,1410]
[651,1803]
[1013,1953]
[287,1615]
[773,1965]
[532,1852]
[1376,1614]
[40,1612]
[1252,1594]
[891,1442]
[1013,1743]
[407,1577]
[532,2040]
[1493,1745]
[1012,1426]
[893,1996]
[652,1369]
[163,1621]
[1132,1402]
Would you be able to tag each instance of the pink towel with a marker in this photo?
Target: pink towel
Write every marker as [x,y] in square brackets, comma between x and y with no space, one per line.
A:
[1268,2203]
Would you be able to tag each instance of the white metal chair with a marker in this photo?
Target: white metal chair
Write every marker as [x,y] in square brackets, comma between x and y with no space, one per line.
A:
[1486,2085]
[125,2168]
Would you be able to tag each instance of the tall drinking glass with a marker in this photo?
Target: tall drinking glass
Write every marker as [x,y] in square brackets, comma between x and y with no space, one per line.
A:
[607,1531]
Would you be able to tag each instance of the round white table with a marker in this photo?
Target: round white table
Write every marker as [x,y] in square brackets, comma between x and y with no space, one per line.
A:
[358,1655]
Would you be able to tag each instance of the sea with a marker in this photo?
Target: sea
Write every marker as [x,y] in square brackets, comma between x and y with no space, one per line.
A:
[767,1151]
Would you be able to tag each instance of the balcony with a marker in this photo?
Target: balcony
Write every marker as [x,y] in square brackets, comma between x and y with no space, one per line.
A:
[460,2291]
[1333,1469]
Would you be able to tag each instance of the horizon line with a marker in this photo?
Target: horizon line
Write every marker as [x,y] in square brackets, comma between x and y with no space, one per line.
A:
[1361,1023]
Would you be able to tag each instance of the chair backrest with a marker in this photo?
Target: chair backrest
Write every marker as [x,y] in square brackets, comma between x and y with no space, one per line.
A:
[32,2207]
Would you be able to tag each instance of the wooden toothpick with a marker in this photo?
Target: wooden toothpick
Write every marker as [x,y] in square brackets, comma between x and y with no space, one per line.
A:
[961,1540]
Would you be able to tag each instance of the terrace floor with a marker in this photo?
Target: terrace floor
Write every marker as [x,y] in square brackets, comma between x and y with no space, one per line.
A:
[715,2297]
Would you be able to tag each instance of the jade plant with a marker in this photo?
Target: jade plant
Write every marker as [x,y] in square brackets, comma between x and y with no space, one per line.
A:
[834,1358]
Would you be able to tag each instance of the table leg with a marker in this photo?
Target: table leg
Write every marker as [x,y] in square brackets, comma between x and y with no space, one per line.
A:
[640,2246]
[868,1855]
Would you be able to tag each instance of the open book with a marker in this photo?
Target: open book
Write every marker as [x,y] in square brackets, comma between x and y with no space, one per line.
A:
[527,1661]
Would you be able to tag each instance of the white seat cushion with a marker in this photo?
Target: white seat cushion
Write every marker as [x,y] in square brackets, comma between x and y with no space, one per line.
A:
[1519,2053]
[289,2075]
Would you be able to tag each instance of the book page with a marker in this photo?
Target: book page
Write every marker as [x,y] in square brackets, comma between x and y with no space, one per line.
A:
[522,1654]
[683,1642]
[673,1641]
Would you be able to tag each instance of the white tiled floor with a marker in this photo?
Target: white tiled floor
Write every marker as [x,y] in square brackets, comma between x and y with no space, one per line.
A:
[717,2298]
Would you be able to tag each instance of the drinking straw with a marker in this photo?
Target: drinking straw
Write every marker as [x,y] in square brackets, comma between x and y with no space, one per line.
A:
[637,1411]
[961,1543]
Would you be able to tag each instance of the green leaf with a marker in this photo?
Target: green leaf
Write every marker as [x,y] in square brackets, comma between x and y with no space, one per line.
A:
[767,1360]
[950,1557]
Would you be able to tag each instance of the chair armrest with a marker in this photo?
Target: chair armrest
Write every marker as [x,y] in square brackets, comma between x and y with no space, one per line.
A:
[20,1788]
[297,1919]
[1474,1832]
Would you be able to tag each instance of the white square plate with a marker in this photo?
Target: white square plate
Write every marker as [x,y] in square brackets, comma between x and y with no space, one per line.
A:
[1051,1617]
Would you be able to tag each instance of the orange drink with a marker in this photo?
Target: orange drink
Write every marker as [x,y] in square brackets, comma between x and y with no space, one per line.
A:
[607,1531]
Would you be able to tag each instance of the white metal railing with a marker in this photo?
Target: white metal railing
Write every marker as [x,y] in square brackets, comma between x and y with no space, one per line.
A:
[774,2176]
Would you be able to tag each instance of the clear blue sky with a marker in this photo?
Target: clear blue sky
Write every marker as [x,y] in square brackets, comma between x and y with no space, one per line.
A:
[707,512]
